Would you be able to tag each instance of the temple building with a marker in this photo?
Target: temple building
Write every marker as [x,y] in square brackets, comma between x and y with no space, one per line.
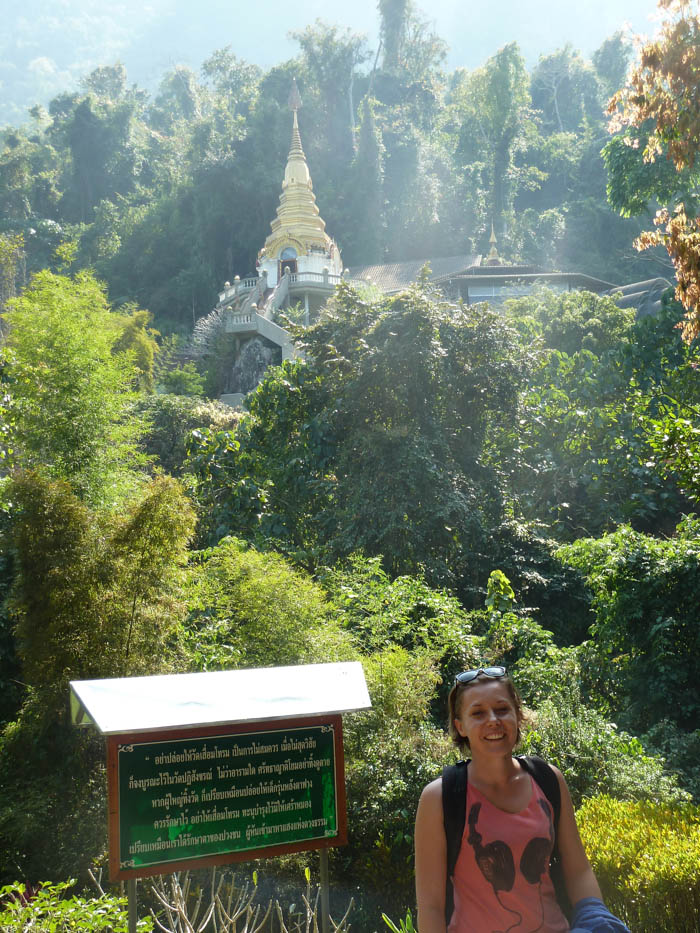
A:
[300,264]
[298,244]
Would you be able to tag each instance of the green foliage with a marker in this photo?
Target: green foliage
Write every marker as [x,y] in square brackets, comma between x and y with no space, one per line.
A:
[646,857]
[138,340]
[390,755]
[573,321]
[581,457]
[546,588]
[394,412]
[249,609]
[404,611]
[268,481]
[405,926]
[565,90]
[611,61]
[440,441]
[499,593]
[368,210]
[53,813]
[634,183]
[11,690]
[94,595]
[493,106]
[680,750]
[170,419]
[594,756]
[49,909]
[645,591]
[11,266]
[184,380]
[69,388]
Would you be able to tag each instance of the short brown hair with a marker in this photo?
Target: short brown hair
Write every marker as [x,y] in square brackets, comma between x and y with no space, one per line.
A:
[454,703]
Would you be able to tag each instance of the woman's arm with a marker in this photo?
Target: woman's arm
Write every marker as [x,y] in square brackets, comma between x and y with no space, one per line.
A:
[578,874]
[431,860]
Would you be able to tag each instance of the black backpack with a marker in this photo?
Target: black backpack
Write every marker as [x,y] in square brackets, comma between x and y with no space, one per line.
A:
[454,808]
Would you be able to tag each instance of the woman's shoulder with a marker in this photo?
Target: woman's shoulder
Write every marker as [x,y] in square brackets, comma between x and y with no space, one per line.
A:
[433,791]
[430,802]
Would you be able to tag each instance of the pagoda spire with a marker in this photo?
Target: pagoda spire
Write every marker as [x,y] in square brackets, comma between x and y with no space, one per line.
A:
[493,259]
[298,223]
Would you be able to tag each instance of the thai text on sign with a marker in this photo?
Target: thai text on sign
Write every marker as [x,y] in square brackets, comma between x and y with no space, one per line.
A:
[223,796]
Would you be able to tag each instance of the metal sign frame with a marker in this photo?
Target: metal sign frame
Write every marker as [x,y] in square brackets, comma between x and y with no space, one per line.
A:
[117,873]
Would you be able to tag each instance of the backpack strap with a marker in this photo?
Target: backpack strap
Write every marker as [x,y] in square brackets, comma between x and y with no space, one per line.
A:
[548,781]
[454,814]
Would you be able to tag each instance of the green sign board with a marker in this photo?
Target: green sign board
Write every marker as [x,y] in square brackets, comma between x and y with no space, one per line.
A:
[181,799]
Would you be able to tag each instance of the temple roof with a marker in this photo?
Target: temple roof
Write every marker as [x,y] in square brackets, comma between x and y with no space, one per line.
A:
[395,276]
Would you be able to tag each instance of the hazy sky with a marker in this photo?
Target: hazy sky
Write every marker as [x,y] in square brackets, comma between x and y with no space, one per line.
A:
[46,45]
[474,29]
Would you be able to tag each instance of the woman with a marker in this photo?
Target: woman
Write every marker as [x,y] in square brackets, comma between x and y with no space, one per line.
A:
[501,880]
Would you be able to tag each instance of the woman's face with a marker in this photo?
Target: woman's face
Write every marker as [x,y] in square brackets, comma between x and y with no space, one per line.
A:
[487,717]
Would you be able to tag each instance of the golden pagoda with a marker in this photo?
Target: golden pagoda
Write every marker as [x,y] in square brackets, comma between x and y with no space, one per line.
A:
[493,259]
[298,241]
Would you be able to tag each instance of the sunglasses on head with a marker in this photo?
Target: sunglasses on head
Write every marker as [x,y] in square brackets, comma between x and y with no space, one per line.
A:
[466,677]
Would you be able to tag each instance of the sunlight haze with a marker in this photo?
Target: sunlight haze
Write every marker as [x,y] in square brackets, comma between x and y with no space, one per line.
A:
[46,48]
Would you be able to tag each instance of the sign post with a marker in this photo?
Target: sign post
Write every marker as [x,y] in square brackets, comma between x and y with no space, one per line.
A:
[209,769]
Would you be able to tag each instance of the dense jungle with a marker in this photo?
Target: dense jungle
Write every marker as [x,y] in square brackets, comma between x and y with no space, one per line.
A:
[430,486]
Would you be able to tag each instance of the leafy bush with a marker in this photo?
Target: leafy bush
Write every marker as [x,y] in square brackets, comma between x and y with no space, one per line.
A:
[183,380]
[391,754]
[592,753]
[546,588]
[595,756]
[171,419]
[71,387]
[49,910]
[404,611]
[53,812]
[250,609]
[645,595]
[681,750]
[95,595]
[571,321]
[646,857]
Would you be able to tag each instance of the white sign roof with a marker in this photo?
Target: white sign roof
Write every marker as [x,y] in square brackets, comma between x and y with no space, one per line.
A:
[171,701]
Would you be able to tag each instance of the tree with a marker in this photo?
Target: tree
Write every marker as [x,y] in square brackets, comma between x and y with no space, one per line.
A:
[107,82]
[494,103]
[659,104]
[95,595]
[138,340]
[565,89]
[69,389]
[11,267]
[170,420]
[644,595]
[332,57]
[611,61]
[580,458]
[394,26]
[367,208]
[376,444]
[252,609]
[104,149]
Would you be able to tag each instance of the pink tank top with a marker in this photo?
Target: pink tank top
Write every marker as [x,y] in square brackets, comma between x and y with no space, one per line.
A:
[501,879]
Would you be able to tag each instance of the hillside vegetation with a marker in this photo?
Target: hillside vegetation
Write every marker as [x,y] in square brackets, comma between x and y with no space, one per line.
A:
[432,487]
